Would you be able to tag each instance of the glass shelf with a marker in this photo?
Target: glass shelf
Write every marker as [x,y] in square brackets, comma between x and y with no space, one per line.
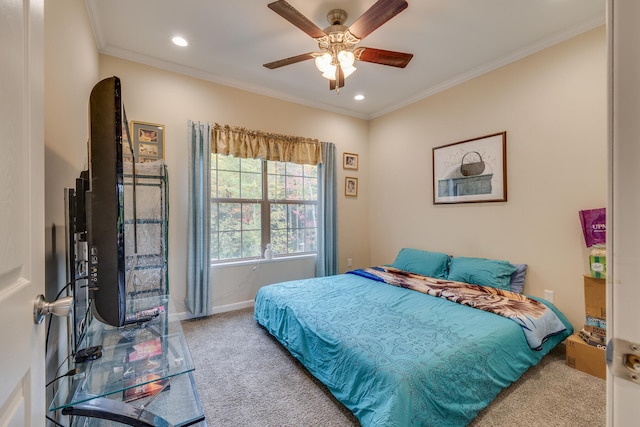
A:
[143,364]
[179,406]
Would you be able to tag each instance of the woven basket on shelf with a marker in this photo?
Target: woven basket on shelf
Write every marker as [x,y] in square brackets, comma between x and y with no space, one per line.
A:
[472,168]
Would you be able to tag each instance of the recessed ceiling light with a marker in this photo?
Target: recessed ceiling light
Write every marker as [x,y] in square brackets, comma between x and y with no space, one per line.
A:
[359,97]
[179,41]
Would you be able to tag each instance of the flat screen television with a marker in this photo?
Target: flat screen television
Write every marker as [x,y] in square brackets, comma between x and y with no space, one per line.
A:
[105,203]
[107,242]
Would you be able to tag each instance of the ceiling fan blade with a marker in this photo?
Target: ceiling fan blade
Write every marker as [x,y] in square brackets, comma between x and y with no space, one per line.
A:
[339,76]
[375,16]
[289,13]
[288,61]
[384,57]
[338,82]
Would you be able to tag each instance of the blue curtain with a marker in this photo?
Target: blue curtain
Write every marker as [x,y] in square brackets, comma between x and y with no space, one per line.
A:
[327,259]
[198,299]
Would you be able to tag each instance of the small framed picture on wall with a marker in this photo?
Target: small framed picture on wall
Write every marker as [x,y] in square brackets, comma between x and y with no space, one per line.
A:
[350,161]
[351,186]
[148,141]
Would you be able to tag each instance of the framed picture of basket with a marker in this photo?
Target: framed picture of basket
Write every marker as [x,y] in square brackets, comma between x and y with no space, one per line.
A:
[471,171]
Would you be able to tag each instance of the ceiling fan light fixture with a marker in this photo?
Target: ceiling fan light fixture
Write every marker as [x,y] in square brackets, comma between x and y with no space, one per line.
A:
[327,66]
[323,63]
[348,70]
[330,73]
[346,58]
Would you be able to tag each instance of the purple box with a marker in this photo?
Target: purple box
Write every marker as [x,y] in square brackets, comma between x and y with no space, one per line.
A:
[594,226]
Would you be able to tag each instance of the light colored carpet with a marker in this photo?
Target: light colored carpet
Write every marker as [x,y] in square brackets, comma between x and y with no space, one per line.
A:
[246,378]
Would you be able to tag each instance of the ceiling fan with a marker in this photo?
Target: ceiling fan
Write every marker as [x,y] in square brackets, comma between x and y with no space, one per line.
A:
[337,43]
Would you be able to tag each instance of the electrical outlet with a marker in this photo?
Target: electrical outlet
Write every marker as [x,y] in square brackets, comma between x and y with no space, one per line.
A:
[349,262]
[548,295]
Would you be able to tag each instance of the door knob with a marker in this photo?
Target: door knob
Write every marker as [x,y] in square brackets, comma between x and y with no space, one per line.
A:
[60,307]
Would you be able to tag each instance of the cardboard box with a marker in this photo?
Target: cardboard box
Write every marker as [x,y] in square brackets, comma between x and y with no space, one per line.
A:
[595,297]
[596,330]
[585,357]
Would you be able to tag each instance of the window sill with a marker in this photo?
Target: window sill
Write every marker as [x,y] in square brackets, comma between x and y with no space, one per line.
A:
[256,261]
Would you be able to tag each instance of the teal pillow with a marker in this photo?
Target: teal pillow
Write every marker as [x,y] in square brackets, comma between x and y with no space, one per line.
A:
[425,263]
[481,271]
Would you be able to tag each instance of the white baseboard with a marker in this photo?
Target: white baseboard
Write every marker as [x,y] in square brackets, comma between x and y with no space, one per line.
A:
[232,307]
[217,310]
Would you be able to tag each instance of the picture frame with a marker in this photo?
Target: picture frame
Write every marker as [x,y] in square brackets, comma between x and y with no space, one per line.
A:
[351,186]
[350,161]
[471,171]
[148,141]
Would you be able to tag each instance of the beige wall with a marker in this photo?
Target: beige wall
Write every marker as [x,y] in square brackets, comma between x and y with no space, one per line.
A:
[157,96]
[71,70]
[553,106]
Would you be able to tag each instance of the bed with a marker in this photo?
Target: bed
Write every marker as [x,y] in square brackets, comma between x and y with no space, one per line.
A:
[399,347]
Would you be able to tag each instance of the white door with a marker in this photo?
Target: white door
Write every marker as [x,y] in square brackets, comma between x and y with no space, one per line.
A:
[22,367]
[623,233]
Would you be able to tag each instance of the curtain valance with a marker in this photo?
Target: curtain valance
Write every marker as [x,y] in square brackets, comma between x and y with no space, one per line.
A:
[250,144]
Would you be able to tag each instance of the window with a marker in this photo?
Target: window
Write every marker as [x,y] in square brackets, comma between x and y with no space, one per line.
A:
[255,202]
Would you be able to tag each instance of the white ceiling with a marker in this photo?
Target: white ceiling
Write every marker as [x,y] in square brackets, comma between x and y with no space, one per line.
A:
[452,41]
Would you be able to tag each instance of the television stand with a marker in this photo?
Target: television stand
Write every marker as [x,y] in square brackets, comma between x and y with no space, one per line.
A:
[144,377]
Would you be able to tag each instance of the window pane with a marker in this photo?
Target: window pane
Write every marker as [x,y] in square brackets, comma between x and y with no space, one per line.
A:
[214,183]
[296,216]
[279,241]
[289,181]
[215,252]
[296,241]
[214,217]
[294,169]
[251,216]
[228,163]
[310,239]
[228,184]
[251,186]
[251,245]
[230,244]
[277,167]
[310,171]
[310,216]
[251,165]
[278,216]
[294,188]
[310,189]
[229,216]
[240,230]
[276,186]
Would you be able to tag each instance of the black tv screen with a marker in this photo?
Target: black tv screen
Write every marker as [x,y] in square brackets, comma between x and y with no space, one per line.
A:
[105,203]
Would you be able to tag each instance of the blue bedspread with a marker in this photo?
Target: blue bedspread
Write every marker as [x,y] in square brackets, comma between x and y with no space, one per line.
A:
[538,322]
[396,357]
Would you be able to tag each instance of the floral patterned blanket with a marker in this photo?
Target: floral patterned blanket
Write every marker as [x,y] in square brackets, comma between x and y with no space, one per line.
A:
[538,321]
